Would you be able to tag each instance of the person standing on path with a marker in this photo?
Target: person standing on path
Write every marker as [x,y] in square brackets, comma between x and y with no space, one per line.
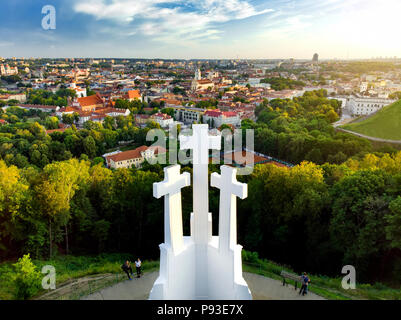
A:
[305,282]
[127,269]
[138,265]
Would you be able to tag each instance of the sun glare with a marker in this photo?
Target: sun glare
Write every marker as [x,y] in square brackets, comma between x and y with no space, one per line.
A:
[372,28]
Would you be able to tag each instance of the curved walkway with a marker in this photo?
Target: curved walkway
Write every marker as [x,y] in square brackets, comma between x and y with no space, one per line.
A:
[135,289]
[368,137]
[262,288]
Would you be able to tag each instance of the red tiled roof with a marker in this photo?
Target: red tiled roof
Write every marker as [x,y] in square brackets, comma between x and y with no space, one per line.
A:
[213,113]
[90,101]
[229,114]
[205,81]
[135,154]
[127,155]
[249,157]
[103,111]
[68,109]
[134,94]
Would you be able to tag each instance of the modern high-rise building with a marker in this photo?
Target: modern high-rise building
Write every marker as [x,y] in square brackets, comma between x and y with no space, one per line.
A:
[315,58]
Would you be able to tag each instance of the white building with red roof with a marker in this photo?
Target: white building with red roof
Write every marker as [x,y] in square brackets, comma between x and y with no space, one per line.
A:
[81,92]
[133,158]
[216,118]
[92,108]
[199,84]
[164,120]
[89,103]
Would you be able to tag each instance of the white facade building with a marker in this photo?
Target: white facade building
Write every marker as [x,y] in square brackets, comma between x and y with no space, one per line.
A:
[188,115]
[81,92]
[132,158]
[366,106]
[216,118]
[164,120]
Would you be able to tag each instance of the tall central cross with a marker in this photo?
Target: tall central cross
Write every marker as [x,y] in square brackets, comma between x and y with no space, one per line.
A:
[200,142]
[230,189]
[170,188]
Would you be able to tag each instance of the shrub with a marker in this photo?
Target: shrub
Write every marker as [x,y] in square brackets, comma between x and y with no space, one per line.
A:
[250,257]
[26,278]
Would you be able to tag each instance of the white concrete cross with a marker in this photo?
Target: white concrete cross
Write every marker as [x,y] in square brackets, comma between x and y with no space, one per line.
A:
[200,142]
[230,188]
[170,188]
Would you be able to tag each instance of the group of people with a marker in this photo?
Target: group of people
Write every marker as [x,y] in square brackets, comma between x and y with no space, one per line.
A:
[305,283]
[128,269]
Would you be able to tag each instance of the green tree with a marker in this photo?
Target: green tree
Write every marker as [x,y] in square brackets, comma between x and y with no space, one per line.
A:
[60,181]
[51,123]
[90,146]
[13,191]
[68,118]
[358,224]
[393,228]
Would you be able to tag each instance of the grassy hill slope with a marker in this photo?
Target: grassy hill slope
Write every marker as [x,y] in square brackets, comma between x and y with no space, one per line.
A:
[386,124]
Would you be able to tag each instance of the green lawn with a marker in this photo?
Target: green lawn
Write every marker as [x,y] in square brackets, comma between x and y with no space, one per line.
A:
[386,124]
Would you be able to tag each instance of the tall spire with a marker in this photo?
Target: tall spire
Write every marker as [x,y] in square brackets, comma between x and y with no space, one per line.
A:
[198,74]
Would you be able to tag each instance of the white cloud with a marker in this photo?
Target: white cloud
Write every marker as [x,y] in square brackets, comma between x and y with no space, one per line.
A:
[6,44]
[170,20]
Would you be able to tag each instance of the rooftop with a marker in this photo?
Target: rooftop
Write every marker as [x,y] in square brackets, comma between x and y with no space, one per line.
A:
[90,101]
[134,154]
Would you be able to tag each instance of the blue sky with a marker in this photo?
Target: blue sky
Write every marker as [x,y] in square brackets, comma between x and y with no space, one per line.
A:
[202,28]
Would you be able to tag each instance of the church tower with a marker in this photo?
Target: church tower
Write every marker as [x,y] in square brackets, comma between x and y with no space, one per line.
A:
[198,75]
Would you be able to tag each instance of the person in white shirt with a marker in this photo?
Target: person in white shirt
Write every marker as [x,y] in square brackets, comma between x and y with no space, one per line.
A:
[138,265]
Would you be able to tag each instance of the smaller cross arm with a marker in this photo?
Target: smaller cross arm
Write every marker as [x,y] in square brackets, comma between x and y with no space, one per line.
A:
[215,180]
[240,189]
[173,182]
[227,182]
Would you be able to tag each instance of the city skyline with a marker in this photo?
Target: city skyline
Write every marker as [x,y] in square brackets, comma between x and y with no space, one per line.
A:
[208,29]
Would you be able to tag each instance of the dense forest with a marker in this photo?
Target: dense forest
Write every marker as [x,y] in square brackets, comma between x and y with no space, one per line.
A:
[300,129]
[279,84]
[341,203]
[311,217]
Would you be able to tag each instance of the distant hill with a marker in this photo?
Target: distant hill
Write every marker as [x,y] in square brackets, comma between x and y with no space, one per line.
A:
[385,124]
